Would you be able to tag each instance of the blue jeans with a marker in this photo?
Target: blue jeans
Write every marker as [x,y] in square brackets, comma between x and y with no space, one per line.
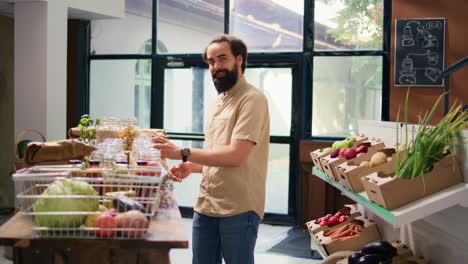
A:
[232,238]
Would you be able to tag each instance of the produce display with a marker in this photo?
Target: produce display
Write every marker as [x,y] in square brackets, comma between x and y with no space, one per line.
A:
[64,201]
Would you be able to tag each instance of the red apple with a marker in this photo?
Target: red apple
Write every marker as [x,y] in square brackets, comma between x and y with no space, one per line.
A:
[367,144]
[328,216]
[349,153]
[341,153]
[361,149]
[334,153]
[105,224]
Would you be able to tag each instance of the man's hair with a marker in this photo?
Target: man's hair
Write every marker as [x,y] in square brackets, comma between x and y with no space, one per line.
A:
[238,47]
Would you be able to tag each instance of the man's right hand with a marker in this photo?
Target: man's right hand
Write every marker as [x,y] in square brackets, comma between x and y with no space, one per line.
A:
[180,171]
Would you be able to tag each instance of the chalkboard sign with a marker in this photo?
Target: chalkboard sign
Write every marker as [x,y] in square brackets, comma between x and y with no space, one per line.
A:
[419,51]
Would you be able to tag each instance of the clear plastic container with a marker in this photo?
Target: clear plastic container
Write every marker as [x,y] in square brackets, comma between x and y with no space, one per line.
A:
[107,128]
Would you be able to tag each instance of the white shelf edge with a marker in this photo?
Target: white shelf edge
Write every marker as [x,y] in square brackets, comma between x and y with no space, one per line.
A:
[421,208]
[431,204]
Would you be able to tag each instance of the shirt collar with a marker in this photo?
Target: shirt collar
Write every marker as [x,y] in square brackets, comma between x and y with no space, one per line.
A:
[237,86]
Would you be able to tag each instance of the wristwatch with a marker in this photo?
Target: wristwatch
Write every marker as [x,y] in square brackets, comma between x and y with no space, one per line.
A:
[185,154]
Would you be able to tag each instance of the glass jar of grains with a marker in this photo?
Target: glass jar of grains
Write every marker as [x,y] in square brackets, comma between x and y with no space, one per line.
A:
[108,128]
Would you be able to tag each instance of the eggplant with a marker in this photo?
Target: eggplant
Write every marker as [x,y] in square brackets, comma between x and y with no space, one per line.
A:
[353,258]
[374,259]
[124,203]
[380,247]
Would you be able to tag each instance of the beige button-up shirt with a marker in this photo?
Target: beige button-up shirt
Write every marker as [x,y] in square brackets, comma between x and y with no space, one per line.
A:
[240,113]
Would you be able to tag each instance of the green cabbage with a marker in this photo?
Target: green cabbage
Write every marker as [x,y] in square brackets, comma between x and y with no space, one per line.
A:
[52,204]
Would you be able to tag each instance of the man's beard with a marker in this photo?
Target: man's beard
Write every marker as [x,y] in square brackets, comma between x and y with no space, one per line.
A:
[226,82]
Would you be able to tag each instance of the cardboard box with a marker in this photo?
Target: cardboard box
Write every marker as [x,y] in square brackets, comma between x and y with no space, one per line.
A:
[329,164]
[350,174]
[350,209]
[392,193]
[369,234]
[319,153]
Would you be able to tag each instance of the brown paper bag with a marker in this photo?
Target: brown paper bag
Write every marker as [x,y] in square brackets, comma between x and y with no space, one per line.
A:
[59,150]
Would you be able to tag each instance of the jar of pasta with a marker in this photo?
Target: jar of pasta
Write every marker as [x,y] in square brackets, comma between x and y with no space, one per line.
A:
[128,132]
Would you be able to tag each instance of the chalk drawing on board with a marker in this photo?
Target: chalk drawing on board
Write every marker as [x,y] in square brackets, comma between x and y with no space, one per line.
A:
[419,51]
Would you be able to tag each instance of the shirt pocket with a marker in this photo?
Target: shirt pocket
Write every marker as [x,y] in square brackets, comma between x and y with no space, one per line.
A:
[221,133]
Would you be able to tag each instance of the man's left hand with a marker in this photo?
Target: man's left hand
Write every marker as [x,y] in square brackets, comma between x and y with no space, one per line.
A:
[168,149]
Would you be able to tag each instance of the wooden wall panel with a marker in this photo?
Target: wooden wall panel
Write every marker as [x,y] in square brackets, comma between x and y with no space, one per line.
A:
[423,98]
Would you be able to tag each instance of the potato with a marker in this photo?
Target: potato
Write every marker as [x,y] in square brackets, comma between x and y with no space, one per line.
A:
[132,220]
[365,164]
[378,158]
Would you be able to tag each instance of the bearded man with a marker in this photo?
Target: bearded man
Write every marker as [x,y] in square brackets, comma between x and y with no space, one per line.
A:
[234,162]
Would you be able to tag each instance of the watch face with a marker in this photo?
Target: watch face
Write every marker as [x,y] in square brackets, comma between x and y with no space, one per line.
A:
[186,152]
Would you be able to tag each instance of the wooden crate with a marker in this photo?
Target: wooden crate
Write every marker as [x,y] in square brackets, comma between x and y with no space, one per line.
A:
[392,193]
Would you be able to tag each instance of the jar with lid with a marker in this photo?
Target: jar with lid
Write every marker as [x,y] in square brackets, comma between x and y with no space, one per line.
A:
[152,156]
[107,128]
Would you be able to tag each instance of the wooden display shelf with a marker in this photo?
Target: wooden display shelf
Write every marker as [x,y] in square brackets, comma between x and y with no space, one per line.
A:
[457,194]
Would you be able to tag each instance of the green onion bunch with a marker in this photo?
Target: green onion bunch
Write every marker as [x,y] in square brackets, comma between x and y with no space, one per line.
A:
[430,143]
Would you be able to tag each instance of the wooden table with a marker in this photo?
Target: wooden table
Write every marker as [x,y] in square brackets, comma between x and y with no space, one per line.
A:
[166,231]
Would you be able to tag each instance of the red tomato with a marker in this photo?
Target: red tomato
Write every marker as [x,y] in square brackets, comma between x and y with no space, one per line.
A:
[343,218]
[333,221]
[106,224]
[338,214]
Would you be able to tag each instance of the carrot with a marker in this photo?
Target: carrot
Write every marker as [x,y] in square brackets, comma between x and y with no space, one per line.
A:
[336,230]
[342,233]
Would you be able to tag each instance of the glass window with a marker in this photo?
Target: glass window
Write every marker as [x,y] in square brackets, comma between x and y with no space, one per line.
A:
[277,189]
[116,90]
[188,26]
[185,114]
[348,25]
[268,26]
[129,35]
[276,83]
[346,89]
[186,192]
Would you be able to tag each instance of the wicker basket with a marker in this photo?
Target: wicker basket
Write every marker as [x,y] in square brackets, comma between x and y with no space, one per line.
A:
[19,162]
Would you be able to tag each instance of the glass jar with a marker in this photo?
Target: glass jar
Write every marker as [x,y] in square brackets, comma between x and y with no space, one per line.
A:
[107,128]
[128,132]
[152,156]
